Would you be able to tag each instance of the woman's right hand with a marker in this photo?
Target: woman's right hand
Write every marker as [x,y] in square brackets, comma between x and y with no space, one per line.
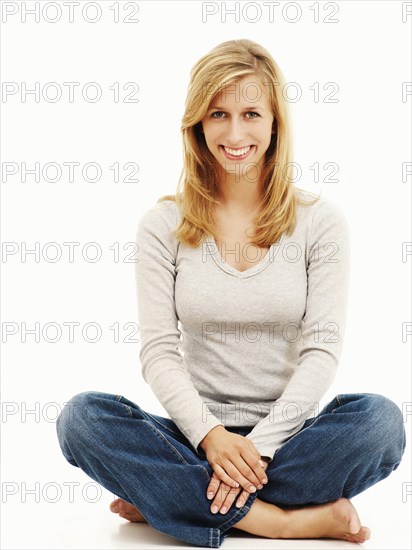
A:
[234,459]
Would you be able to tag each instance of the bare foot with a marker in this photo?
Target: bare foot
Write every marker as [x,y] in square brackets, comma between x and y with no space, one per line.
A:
[126,510]
[336,520]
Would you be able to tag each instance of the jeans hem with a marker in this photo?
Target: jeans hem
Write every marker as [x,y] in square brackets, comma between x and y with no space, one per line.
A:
[219,534]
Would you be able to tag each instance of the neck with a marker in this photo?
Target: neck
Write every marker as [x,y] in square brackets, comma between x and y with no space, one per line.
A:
[238,194]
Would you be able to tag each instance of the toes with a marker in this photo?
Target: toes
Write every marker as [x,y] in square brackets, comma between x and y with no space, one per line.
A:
[114,506]
[125,510]
[361,536]
[119,507]
[365,532]
[354,538]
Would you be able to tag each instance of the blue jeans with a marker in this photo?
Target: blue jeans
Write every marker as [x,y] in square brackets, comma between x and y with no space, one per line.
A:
[356,440]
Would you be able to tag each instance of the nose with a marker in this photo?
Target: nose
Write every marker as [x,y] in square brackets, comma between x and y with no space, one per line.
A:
[234,133]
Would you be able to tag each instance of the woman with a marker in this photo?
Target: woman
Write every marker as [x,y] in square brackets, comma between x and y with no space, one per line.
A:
[257,276]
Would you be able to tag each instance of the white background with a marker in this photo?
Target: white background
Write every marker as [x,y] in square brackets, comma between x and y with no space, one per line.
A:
[365,54]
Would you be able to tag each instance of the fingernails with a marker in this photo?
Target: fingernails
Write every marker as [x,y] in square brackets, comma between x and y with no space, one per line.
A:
[209,495]
[260,486]
[252,489]
[214,509]
[223,510]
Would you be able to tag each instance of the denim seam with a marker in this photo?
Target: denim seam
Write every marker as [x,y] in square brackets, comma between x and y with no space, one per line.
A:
[119,397]
[241,513]
[181,458]
[230,521]
[163,426]
[129,410]
[159,434]
[205,472]
[213,538]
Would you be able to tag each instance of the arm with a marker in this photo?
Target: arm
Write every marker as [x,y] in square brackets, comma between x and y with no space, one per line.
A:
[323,325]
[161,361]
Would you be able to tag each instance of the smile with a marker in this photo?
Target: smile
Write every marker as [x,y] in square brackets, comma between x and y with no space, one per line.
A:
[236,153]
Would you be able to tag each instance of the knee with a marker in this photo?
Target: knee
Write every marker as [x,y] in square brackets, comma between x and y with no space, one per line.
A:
[76,412]
[385,427]
[384,411]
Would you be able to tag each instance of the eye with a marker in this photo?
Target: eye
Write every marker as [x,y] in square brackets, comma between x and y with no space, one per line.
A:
[256,115]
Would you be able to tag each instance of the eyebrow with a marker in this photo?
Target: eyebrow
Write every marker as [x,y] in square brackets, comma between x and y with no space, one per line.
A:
[248,108]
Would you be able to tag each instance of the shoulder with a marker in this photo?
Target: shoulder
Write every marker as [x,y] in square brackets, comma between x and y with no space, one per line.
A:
[161,218]
[322,214]
[155,229]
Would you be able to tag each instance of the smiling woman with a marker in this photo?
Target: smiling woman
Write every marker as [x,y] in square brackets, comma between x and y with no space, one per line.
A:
[234,102]
[257,275]
[241,131]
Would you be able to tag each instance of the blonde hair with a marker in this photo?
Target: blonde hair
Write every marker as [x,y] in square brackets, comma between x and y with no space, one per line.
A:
[197,189]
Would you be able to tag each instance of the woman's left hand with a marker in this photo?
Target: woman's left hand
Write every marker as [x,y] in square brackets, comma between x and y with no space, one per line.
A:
[226,495]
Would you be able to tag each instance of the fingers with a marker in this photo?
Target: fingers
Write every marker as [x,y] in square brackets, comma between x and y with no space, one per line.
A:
[225,497]
[231,497]
[212,487]
[252,469]
[220,475]
[244,495]
[233,477]
[250,475]
[215,483]
[243,468]
[218,489]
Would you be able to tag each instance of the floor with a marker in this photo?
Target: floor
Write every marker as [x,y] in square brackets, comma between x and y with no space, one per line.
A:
[53,517]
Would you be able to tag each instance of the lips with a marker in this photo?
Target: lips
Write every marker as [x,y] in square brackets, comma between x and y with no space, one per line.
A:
[237,157]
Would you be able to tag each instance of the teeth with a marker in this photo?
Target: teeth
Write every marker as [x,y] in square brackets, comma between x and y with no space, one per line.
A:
[237,152]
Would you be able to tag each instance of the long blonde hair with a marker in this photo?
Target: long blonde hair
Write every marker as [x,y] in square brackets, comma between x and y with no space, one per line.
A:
[197,190]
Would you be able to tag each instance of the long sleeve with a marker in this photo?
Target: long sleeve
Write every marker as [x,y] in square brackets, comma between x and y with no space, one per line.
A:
[160,358]
[322,330]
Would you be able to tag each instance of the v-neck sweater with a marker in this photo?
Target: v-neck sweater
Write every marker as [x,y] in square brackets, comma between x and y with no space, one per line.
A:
[256,348]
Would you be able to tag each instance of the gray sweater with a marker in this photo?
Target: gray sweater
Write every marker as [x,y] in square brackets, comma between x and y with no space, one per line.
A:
[257,348]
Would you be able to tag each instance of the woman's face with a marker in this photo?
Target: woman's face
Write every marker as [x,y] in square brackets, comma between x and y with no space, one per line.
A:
[238,125]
